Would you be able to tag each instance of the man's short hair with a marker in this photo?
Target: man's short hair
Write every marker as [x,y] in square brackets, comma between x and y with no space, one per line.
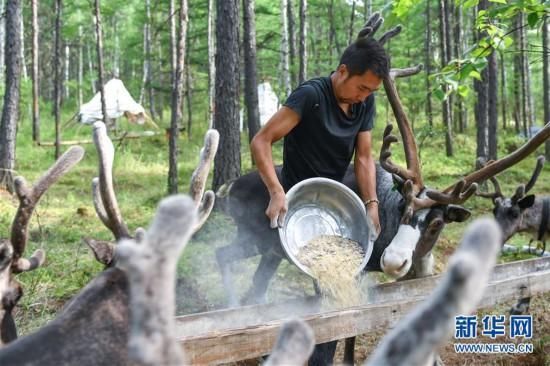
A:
[366,54]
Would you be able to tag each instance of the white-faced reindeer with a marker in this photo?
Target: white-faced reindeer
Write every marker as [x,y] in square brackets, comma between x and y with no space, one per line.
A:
[12,249]
[411,217]
[93,328]
[522,212]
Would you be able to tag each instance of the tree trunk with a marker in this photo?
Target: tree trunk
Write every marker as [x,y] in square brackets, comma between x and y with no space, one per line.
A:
[177,78]
[445,105]
[428,60]
[332,37]
[66,70]
[493,104]
[250,81]
[503,93]
[116,54]
[524,91]
[99,48]
[188,91]
[80,65]
[368,9]
[546,81]
[35,76]
[351,23]
[302,74]
[149,69]
[461,113]
[285,73]
[291,42]
[23,62]
[481,109]
[2,38]
[518,110]
[211,64]
[91,66]
[10,110]
[227,164]
[57,78]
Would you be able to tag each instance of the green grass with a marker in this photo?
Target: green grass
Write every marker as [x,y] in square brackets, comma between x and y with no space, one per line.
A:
[66,214]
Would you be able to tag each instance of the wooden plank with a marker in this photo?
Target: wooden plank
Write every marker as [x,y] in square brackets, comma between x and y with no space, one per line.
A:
[231,345]
[240,317]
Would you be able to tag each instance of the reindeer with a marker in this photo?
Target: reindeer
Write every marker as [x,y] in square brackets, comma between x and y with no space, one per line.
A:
[522,212]
[412,216]
[93,328]
[12,250]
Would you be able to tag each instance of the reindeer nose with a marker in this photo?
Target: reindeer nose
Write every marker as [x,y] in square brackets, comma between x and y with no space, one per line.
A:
[393,265]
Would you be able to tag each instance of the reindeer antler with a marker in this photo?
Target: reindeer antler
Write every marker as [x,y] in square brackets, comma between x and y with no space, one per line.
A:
[105,201]
[498,166]
[28,198]
[204,201]
[150,263]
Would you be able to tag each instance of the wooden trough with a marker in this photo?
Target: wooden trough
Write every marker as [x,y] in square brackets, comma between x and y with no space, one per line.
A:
[249,332]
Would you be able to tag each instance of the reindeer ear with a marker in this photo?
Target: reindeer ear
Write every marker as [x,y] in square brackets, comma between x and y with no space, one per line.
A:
[454,213]
[526,201]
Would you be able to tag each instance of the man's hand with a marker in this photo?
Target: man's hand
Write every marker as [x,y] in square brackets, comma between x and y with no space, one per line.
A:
[277,209]
[372,215]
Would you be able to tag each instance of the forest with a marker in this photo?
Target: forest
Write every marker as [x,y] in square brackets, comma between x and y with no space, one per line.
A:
[482,90]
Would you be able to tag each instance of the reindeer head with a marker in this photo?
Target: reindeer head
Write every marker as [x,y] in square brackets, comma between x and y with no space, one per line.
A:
[509,211]
[11,251]
[425,212]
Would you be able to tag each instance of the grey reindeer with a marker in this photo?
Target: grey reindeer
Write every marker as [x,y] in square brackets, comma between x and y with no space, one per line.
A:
[415,338]
[93,327]
[412,216]
[12,250]
[522,212]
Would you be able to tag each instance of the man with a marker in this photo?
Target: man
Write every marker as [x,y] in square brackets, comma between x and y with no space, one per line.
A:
[324,122]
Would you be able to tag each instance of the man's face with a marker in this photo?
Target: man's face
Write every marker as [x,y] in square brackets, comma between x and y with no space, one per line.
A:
[354,89]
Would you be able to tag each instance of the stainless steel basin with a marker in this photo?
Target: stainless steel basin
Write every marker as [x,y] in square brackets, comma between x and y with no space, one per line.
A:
[321,206]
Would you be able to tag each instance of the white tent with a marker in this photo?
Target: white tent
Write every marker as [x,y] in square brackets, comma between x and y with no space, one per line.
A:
[268,103]
[118,102]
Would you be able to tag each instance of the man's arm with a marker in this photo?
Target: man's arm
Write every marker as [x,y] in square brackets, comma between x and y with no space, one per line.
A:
[282,122]
[365,173]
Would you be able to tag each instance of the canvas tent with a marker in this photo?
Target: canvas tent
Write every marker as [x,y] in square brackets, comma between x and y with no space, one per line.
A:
[268,103]
[118,102]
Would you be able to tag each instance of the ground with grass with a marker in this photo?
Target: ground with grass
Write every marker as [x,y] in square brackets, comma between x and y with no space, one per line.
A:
[66,214]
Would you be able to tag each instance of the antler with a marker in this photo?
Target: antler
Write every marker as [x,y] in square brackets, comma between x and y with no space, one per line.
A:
[204,201]
[28,198]
[498,166]
[522,190]
[150,263]
[105,201]
[493,195]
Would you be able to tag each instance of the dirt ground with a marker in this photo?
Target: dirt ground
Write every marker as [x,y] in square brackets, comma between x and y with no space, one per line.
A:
[540,309]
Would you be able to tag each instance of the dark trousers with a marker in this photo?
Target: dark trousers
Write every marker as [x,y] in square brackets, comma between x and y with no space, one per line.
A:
[323,354]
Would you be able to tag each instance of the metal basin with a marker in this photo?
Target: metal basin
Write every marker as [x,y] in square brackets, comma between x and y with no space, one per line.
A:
[322,206]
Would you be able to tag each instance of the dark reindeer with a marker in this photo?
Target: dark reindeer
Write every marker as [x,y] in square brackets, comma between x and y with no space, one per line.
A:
[411,217]
[522,212]
[93,328]
[12,249]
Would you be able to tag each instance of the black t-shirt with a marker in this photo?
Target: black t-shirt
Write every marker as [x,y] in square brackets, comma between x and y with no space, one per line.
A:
[323,142]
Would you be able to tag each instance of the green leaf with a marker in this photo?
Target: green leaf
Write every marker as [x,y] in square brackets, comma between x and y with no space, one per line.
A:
[438,93]
[475,75]
[470,3]
[498,1]
[463,91]
[533,19]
